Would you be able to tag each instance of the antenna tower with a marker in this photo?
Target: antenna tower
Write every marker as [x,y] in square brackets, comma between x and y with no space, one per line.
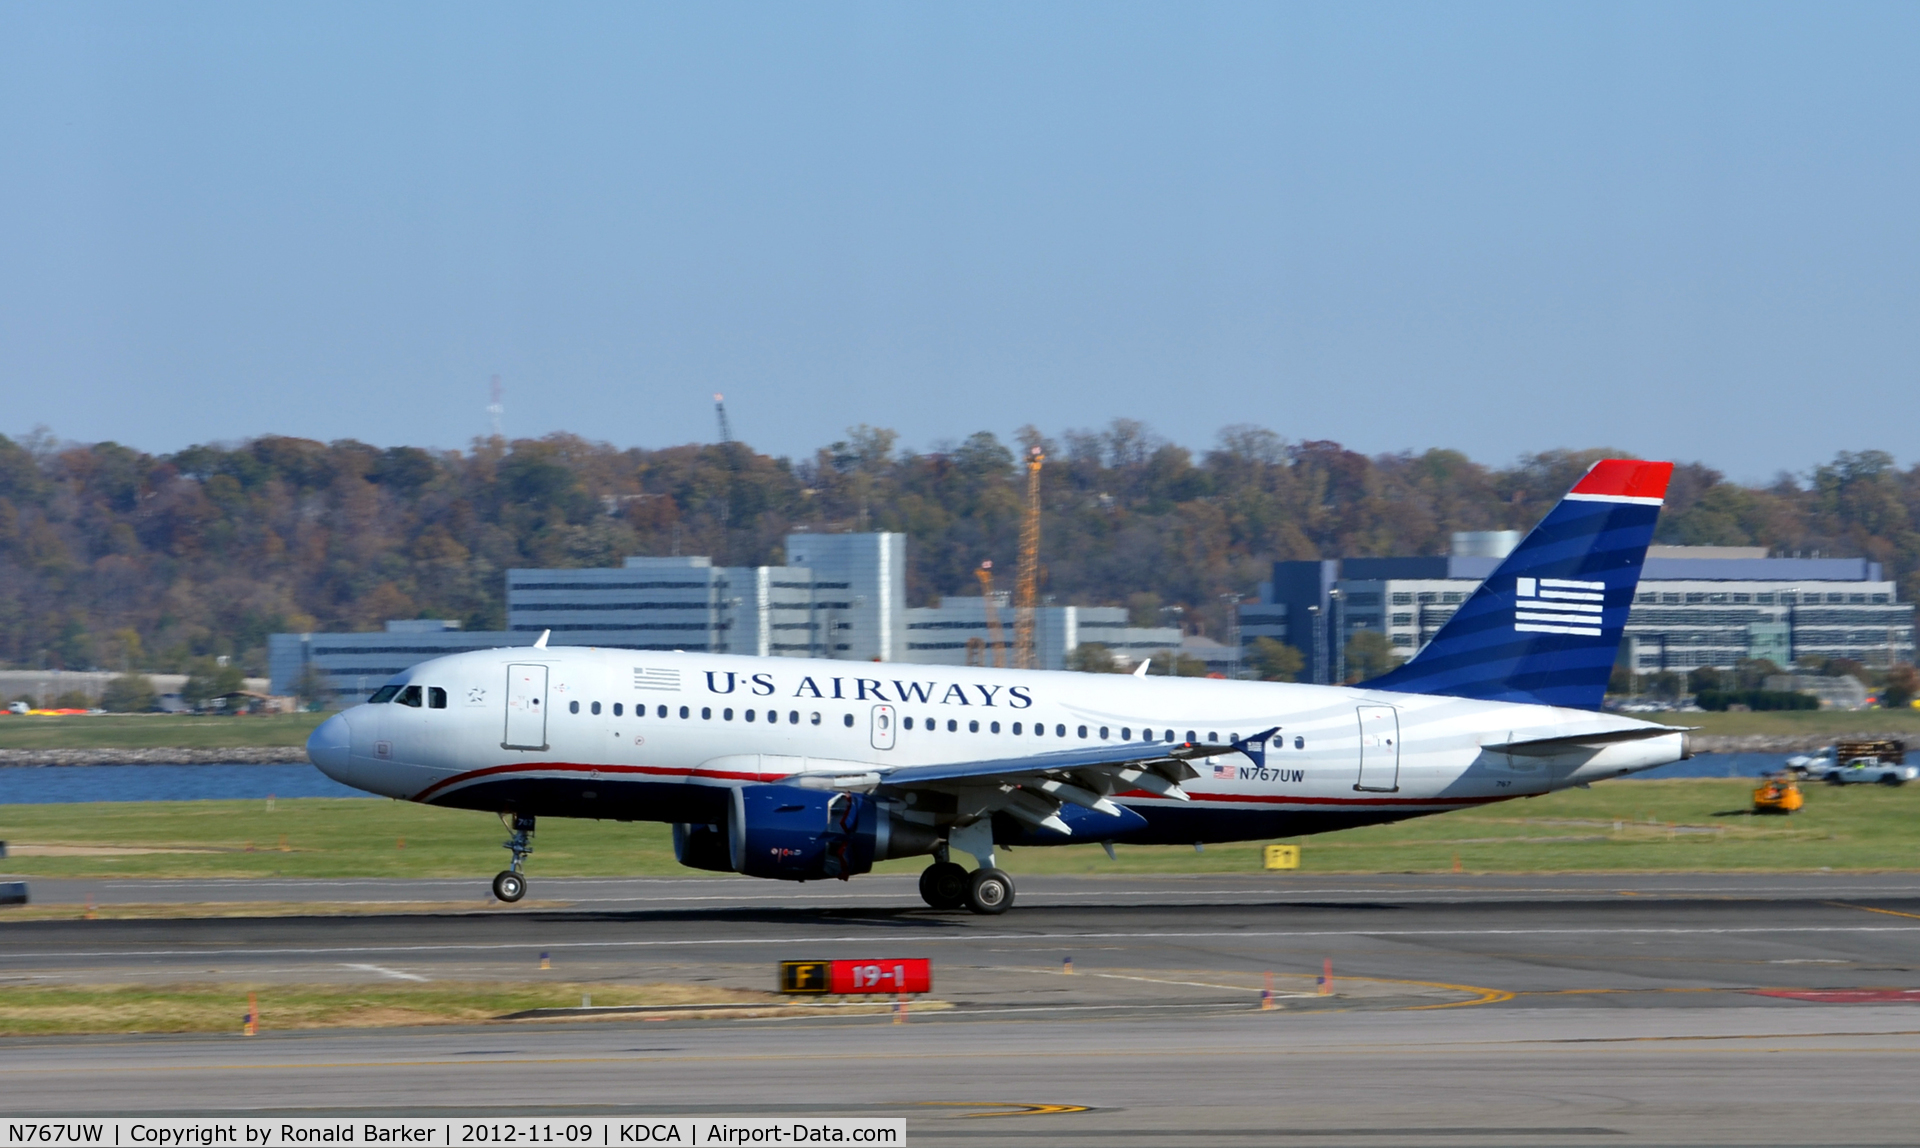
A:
[720,408]
[494,409]
[1027,585]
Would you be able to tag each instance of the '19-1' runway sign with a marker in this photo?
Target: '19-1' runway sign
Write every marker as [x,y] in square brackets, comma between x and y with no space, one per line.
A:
[909,975]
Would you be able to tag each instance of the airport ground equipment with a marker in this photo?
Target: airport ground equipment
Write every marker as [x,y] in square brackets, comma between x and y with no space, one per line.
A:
[1779,793]
[1864,770]
[1845,752]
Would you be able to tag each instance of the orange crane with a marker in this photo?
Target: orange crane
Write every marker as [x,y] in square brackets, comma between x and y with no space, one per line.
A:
[1027,585]
[996,644]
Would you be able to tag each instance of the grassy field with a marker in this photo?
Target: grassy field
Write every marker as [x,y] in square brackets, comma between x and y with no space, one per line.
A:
[1615,826]
[39,1010]
[155,731]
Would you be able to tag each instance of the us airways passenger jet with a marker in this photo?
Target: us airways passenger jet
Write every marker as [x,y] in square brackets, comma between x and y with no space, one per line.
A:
[802,769]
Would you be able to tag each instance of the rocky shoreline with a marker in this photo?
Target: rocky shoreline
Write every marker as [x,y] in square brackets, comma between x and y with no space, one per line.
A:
[273,755]
[1774,743]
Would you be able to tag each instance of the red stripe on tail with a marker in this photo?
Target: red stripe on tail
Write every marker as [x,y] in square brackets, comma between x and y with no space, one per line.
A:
[1626,477]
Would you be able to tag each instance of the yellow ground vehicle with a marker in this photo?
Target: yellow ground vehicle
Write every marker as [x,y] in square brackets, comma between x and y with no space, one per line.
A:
[1778,794]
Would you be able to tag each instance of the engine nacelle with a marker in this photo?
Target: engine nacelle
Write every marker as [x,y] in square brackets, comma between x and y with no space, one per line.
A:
[702,847]
[794,834]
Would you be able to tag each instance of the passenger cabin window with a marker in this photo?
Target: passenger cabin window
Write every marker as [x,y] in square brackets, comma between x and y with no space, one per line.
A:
[383,695]
[617,708]
[573,707]
[596,709]
[409,697]
[436,698]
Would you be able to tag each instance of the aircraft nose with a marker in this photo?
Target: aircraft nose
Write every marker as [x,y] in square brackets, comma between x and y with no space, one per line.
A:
[329,745]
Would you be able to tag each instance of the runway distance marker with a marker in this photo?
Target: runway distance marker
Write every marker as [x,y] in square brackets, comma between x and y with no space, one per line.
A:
[843,978]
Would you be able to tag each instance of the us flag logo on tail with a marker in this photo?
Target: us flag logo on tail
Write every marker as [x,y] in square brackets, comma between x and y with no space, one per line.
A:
[1558,606]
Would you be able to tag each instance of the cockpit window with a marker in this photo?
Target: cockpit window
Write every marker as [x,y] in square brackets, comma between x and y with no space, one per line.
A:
[383,695]
[409,697]
[436,698]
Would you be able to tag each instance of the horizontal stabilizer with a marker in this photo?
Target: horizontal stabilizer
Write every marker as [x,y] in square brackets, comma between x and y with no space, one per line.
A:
[1598,737]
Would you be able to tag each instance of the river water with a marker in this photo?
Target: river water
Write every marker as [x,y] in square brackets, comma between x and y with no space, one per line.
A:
[56,785]
[63,784]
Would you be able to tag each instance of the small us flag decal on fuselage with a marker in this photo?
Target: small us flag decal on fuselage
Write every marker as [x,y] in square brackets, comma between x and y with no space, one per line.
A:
[645,679]
[1558,606]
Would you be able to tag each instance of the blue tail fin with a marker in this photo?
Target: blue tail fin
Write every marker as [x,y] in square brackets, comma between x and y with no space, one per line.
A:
[1545,628]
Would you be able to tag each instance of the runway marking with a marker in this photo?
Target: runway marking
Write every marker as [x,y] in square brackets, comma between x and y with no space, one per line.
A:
[1871,909]
[1599,992]
[1188,984]
[396,974]
[1154,1055]
[968,938]
[1013,1107]
[1485,996]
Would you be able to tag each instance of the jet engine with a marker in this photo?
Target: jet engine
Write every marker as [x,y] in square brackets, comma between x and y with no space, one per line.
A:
[794,834]
[702,847]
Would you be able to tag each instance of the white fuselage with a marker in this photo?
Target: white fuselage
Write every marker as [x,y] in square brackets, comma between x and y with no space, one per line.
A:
[635,735]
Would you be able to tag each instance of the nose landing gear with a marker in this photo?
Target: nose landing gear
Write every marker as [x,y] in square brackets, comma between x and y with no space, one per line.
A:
[511,884]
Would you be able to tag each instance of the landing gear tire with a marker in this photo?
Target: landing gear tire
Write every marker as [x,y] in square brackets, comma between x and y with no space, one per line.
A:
[509,886]
[989,892]
[943,885]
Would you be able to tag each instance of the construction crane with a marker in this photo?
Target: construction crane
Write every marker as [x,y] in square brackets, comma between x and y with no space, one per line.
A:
[1027,584]
[996,644]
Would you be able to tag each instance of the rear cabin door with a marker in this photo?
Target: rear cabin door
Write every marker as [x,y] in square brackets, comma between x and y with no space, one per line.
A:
[1379,749]
[883,722]
[526,708]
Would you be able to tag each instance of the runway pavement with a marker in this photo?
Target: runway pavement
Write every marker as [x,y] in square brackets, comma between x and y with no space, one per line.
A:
[1678,1009]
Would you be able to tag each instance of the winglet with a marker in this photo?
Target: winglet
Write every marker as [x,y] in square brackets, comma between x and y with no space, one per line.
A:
[1255,747]
[1140,671]
[541,644]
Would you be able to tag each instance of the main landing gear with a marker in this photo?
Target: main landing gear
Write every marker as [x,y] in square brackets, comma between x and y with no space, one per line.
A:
[945,885]
[511,884]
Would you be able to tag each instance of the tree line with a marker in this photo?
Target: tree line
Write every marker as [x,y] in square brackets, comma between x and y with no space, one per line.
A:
[114,558]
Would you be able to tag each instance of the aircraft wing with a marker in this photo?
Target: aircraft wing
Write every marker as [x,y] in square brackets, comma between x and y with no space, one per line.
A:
[1032,788]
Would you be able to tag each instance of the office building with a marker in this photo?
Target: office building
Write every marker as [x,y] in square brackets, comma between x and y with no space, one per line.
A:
[355,665]
[1695,606]
[957,632]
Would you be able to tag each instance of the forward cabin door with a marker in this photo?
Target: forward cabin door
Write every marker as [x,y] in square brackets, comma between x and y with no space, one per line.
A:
[883,722]
[526,708]
[1379,749]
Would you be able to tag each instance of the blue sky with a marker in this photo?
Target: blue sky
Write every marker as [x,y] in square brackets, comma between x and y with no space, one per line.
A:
[1686,230]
